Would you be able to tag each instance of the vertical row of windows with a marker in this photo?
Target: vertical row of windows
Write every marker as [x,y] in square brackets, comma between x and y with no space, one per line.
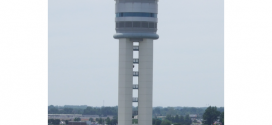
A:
[137,24]
[136,14]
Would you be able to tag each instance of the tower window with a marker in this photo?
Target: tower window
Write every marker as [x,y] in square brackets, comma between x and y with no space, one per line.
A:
[145,24]
[151,25]
[128,24]
[121,24]
[136,24]
[136,14]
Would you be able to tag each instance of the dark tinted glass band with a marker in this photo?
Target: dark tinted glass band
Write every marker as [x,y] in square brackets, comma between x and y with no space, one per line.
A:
[136,14]
[136,24]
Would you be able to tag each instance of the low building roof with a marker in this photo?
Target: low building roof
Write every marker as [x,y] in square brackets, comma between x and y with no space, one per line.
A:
[192,115]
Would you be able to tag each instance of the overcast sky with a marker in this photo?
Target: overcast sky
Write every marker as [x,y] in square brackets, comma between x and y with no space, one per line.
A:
[188,56]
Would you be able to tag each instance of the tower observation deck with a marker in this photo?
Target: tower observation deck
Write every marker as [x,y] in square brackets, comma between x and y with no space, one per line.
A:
[136,27]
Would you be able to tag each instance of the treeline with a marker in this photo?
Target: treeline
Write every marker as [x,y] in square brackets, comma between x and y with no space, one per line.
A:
[54,122]
[176,120]
[212,114]
[160,111]
[101,111]
[108,121]
[63,110]
[105,111]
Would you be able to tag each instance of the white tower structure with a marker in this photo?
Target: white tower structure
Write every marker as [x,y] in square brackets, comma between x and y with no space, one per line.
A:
[136,27]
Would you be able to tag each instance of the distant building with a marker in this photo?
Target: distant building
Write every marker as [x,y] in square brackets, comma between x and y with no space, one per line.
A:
[96,116]
[193,116]
[91,123]
[217,123]
[64,116]
[161,117]
[88,122]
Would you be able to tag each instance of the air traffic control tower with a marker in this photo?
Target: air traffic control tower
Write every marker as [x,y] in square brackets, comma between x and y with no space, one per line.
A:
[136,27]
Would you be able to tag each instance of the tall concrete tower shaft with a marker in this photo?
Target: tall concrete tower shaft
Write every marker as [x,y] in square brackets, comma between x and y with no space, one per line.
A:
[136,27]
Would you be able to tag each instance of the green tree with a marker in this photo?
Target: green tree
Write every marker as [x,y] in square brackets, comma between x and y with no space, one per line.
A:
[77,119]
[91,119]
[176,120]
[220,109]
[103,111]
[66,122]
[108,121]
[166,122]
[53,121]
[168,117]
[57,121]
[114,121]
[97,119]
[67,111]
[171,111]
[51,106]
[157,111]
[100,120]
[53,110]
[181,120]
[153,121]
[210,115]
[158,122]
[187,120]
[222,118]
